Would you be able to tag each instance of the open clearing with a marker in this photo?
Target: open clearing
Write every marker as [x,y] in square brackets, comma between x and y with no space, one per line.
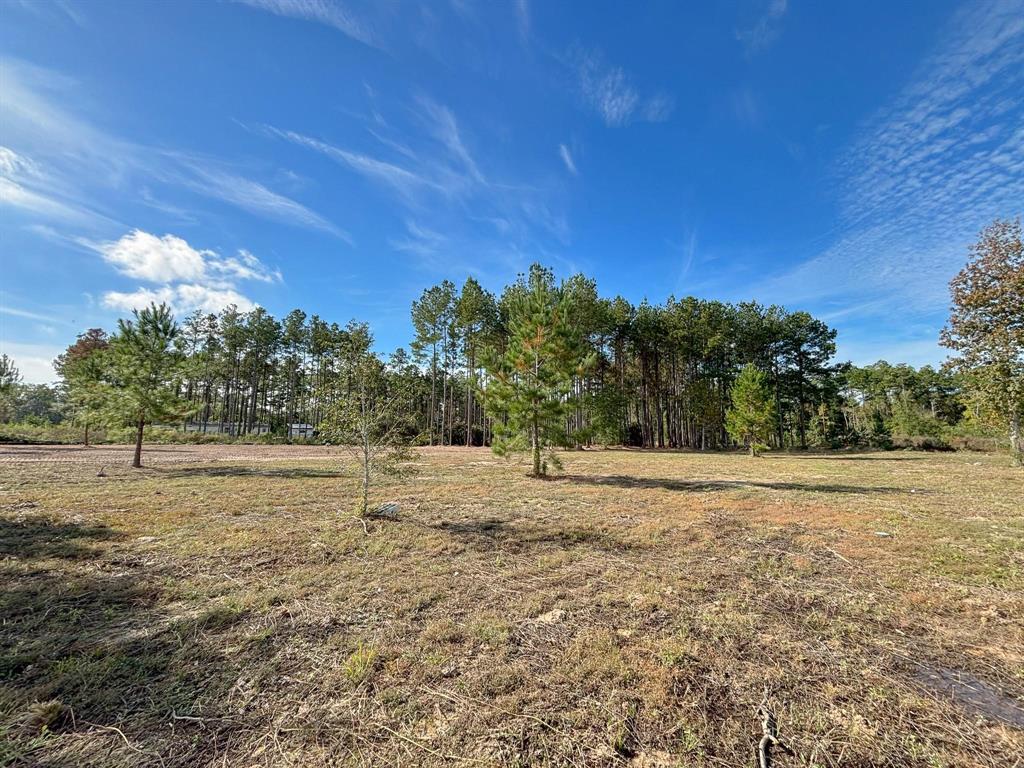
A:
[223,608]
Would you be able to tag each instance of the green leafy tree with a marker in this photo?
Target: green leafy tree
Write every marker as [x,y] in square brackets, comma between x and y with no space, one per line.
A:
[530,391]
[84,368]
[751,418]
[986,327]
[145,370]
[10,378]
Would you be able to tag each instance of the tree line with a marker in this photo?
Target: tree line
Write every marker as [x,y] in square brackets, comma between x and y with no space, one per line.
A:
[555,363]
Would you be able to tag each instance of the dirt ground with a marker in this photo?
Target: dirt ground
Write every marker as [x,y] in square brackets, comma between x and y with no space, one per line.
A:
[223,607]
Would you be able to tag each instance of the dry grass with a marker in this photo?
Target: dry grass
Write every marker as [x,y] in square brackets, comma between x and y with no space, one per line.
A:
[223,608]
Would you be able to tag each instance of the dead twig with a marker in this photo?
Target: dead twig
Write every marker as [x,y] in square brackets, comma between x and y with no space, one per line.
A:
[425,748]
[460,699]
[120,733]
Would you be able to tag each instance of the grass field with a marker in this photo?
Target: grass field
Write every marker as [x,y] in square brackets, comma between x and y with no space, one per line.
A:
[223,607]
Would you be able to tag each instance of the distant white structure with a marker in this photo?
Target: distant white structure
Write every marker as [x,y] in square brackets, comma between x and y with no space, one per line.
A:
[300,430]
[225,428]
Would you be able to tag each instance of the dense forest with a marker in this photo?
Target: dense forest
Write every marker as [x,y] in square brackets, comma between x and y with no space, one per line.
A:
[660,374]
[556,363]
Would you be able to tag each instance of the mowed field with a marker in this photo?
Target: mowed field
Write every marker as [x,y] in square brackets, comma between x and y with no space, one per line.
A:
[223,607]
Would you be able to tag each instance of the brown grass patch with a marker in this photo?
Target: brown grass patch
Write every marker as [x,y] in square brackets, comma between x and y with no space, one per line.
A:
[220,607]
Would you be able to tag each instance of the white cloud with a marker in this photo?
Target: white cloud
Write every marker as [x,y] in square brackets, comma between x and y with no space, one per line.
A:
[566,156]
[418,240]
[15,195]
[183,299]
[13,165]
[331,14]
[611,92]
[170,259]
[430,169]
[156,259]
[186,278]
[34,361]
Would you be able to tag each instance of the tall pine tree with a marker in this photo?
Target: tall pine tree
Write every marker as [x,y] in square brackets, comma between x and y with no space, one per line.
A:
[146,366]
[530,391]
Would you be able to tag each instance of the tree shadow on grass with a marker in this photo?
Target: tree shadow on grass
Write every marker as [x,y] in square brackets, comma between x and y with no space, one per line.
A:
[833,457]
[516,538]
[92,632]
[699,486]
[35,538]
[248,471]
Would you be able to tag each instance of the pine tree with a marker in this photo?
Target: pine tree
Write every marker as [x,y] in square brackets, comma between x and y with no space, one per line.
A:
[751,419]
[431,317]
[146,366]
[530,391]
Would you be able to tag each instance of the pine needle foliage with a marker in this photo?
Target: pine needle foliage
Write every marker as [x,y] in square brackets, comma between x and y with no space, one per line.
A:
[146,369]
[751,418]
[530,391]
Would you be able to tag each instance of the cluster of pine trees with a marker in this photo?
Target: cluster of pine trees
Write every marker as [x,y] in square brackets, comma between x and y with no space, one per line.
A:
[549,363]
[647,375]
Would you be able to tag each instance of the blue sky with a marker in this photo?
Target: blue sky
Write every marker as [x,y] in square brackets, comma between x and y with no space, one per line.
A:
[340,156]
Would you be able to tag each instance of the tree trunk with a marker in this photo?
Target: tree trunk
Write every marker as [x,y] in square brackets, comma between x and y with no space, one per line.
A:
[137,461]
[86,434]
[1016,446]
[536,446]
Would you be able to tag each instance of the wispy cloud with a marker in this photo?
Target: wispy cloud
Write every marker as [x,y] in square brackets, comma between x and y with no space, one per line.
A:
[566,155]
[444,127]
[255,198]
[435,175]
[54,161]
[400,179]
[25,185]
[611,92]
[419,240]
[25,314]
[926,174]
[327,12]
[522,8]
[51,9]
[766,29]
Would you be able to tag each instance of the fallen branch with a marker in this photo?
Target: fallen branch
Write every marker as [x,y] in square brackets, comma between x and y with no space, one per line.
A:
[769,734]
